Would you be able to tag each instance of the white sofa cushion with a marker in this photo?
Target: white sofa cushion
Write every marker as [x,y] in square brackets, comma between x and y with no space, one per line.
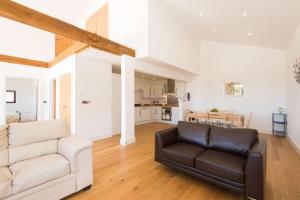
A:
[36,171]
[3,137]
[32,132]
[25,152]
[4,158]
[5,182]
[71,146]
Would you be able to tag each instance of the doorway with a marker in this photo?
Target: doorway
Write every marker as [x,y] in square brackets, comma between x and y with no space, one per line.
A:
[65,97]
[21,100]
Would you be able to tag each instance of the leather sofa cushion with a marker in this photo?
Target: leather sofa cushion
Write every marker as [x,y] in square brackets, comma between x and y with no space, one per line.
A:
[183,153]
[36,171]
[39,131]
[28,151]
[193,133]
[226,165]
[237,141]
[4,158]
[5,182]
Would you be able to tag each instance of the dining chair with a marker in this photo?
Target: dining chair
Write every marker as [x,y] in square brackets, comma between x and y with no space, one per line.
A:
[217,119]
[247,125]
[191,117]
[202,117]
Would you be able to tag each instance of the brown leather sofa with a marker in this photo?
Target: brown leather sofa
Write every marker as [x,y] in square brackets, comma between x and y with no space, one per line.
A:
[231,158]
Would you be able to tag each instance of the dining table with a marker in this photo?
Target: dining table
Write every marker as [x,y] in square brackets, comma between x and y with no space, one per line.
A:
[236,119]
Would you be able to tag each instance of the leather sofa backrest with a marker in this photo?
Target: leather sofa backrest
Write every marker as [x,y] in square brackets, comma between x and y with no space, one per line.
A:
[39,131]
[193,133]
[3,146]
[237,141]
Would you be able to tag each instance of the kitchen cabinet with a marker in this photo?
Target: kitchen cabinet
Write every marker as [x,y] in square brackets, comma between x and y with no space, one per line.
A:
[157,89]
[145,113]
[142,114]
[137,114]
[138,85]
[147,89]
[156,112]
[175,115]
[180,89]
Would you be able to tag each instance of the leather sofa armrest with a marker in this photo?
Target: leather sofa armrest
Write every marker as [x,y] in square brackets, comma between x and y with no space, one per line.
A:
[255,177]
[164,138]
[80,154]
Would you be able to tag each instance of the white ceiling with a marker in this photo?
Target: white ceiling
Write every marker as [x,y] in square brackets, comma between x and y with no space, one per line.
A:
[271,22]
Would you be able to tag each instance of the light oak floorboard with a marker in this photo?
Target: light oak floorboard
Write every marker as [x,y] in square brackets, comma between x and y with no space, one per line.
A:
[130,172]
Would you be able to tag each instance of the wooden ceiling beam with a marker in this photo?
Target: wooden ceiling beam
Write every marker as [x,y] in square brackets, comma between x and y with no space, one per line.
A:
[28,16]
[75,48]
[23,61]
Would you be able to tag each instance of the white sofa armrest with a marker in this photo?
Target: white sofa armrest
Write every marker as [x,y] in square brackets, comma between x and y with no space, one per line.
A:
[79,152]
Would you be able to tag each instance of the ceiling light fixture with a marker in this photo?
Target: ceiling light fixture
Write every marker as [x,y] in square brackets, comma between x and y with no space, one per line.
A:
[250,34]
[244,13]
[201,14]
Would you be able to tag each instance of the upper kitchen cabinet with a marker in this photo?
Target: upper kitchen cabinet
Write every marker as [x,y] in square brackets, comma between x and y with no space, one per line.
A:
[180,89]
[99,22]
[157,88]
[147,89]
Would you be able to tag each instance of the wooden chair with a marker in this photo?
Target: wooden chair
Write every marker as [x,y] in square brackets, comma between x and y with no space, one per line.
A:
[247,125]
[217,119]
[190,117]
[202,117]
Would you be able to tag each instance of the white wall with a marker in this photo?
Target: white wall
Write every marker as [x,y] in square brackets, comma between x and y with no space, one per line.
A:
[14,70]
[153,31]
[128,24]
[116,104]
[25,41]
[261,70]
[293,89]
[93,83]
[26,98]
[170,41]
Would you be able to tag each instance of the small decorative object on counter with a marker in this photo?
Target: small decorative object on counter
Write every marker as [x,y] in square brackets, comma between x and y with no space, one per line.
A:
[214,110]
[296,67]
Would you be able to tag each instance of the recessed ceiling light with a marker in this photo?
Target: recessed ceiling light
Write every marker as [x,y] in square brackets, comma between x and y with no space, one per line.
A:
[214,31]
[201,14]
[250,34]
[245,13]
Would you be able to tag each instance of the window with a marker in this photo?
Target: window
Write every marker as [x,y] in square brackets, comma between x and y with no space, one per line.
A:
[10,96]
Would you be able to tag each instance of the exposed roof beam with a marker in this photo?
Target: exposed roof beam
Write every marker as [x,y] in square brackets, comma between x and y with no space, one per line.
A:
[75,48]
[23,61]
[25,15]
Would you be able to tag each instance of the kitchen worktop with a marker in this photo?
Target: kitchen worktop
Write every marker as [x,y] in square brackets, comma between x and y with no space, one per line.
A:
[153,105]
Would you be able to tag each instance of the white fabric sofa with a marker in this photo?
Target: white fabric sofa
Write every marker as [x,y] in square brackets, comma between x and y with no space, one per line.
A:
[43,161]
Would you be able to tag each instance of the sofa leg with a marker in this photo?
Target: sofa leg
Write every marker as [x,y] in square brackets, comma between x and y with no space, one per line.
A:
[87,188]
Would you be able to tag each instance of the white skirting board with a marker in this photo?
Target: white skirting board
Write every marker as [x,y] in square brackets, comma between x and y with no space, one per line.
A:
[297,149]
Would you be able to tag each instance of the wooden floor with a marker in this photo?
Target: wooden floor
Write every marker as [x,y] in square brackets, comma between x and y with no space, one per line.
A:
[129,172]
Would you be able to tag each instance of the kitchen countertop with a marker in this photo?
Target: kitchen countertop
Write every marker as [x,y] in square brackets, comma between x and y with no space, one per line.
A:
[158,105]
